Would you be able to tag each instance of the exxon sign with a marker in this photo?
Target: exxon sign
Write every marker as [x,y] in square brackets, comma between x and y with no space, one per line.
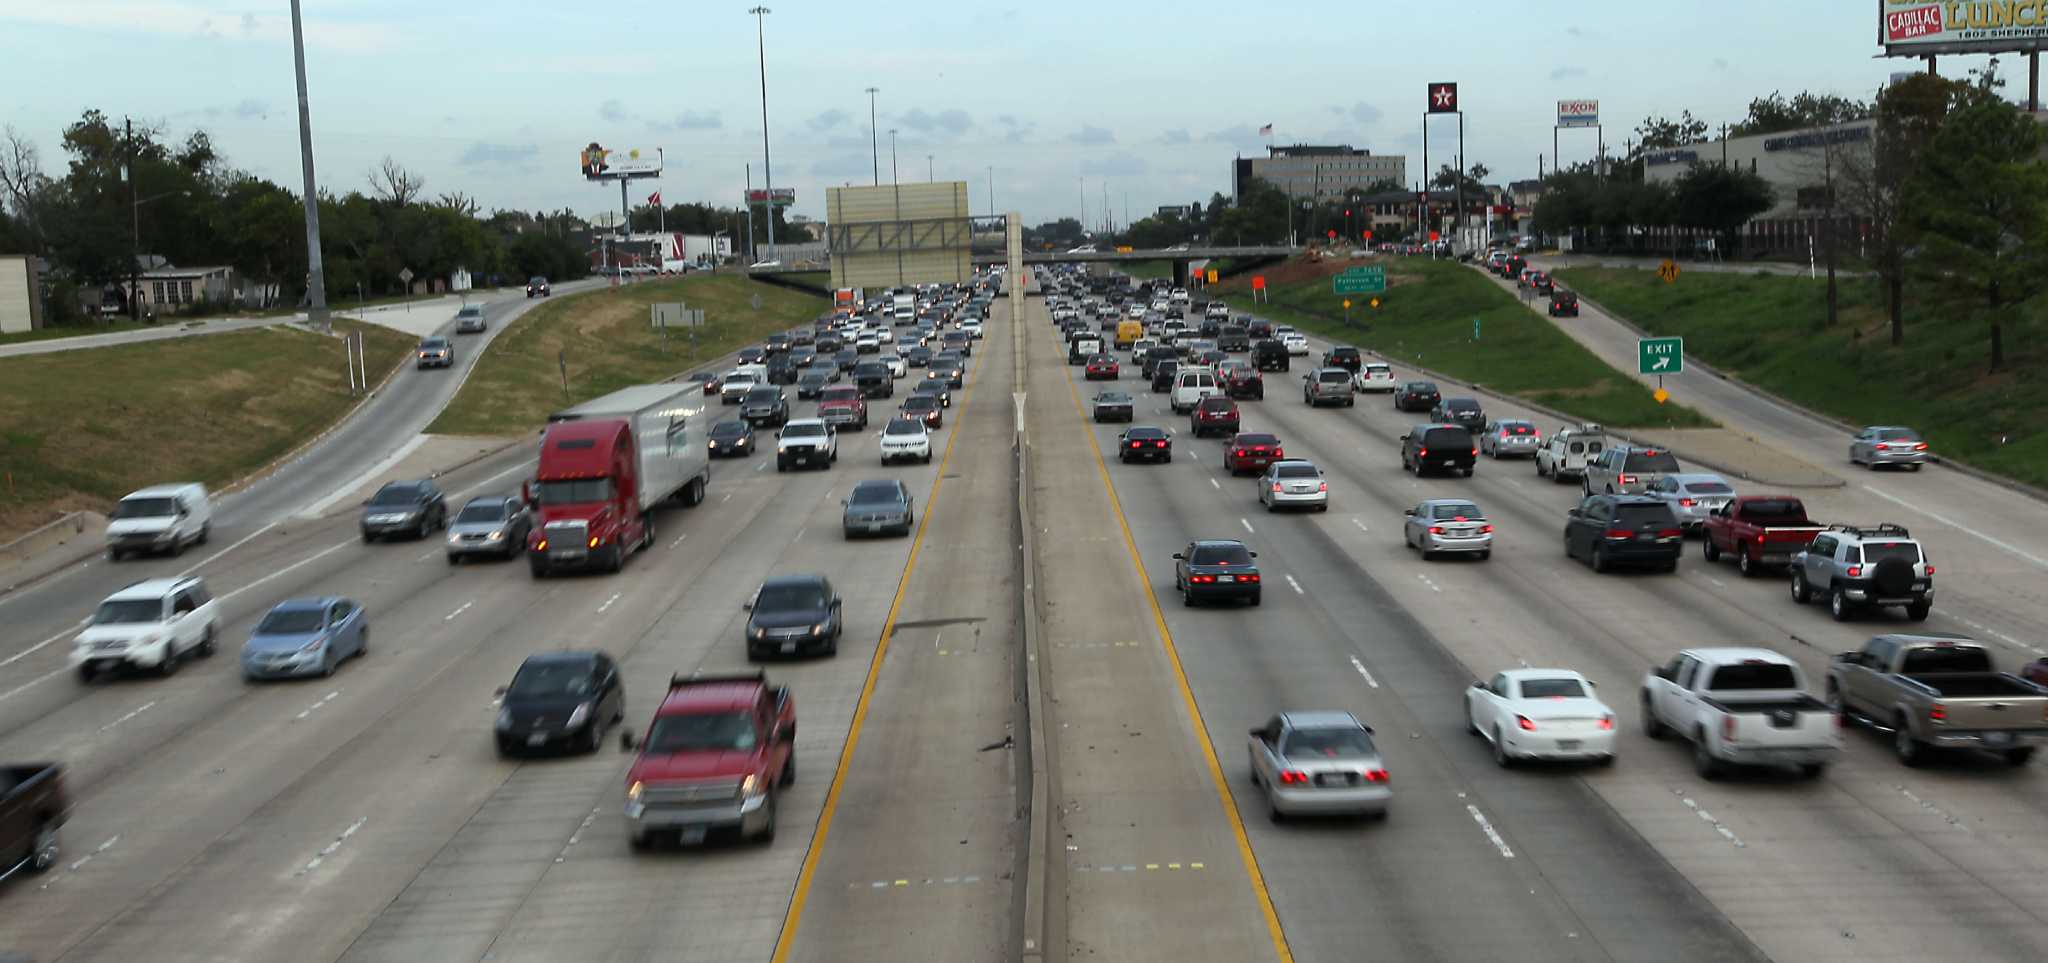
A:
[1578,113]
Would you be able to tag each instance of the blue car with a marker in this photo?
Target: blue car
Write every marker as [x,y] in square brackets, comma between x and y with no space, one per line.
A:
[303,637]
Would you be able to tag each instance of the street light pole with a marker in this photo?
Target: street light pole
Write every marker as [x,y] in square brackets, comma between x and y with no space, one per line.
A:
[874,136]
[767,170]
[928,175]
[316,276]
[892,157]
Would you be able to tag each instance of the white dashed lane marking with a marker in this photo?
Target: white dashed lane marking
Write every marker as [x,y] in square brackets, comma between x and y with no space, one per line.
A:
[332,847]
[1360,666]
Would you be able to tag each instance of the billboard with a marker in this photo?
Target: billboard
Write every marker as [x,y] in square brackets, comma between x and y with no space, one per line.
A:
[601,164]
[1919,27]
[780,197]
[1578,113]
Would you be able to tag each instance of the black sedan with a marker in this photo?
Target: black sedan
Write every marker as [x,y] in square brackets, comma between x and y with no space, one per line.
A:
[918,357]
[1216,569]
[754,354]
[1113,406]
[936,386]
[793,613]
[1464,412]
[732,438]
[560,700]
[709,379]
[1417,396]
[1144,443]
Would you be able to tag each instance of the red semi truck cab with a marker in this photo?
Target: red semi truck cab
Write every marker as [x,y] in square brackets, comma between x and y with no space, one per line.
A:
[718,751]
[604,466]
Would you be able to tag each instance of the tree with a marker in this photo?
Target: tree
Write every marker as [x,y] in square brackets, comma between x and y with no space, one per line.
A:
[24,189]
[1975,208]
[1774,114]
[1719,199]
[1447,179]
[459,202]
[1261,215]
[1663,133]
[395,185]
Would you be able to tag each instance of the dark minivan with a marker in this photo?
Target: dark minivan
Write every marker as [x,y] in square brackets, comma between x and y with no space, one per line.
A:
[1610,530]
[793,613]
[560,700]
[1427,448]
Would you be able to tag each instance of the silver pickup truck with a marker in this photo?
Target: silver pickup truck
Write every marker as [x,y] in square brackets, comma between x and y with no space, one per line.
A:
[1935,691]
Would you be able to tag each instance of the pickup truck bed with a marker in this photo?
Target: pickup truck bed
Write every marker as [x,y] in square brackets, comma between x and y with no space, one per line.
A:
[1974,685]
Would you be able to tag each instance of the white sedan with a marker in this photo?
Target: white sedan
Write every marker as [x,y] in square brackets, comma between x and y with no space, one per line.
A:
[905,439]
[1296,342]
[1540,714]
[898,368]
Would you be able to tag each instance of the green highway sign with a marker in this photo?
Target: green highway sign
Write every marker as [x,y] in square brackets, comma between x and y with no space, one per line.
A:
[1360,280]
[1660,356]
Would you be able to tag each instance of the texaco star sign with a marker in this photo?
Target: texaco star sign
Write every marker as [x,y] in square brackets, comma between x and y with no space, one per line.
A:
[1443,98]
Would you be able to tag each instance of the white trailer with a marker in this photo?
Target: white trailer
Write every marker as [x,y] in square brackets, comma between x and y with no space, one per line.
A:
[670,423]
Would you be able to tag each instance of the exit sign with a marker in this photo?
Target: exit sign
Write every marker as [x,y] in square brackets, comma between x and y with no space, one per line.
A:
[1660,356]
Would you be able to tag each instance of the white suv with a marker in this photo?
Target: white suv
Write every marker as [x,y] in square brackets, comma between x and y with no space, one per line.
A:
[153,624]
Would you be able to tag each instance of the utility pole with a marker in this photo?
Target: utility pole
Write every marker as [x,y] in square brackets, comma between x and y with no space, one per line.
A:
[991,190]
[767,168]
[892,157]
[874,136]
[135,221]
[316,276]
[929,177]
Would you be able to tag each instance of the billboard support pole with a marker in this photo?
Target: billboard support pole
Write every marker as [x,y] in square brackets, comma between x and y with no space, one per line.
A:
[2033,80]
[1553,149]
[1464,222]
[751,253]
[1423,211]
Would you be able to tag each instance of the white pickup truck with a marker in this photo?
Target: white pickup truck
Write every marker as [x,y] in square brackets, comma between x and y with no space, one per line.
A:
[1741,706]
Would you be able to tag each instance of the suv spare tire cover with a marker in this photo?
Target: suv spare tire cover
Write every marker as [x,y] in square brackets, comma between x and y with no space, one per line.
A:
[1893,576]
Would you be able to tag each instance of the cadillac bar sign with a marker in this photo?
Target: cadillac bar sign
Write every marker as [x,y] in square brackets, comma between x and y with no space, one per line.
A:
[1984,24]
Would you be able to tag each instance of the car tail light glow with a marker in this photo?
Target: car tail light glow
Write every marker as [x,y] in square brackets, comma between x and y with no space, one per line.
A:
[1930,568]
[1293,777]
[1436,530]
[1671,533]
[1475,452]
[1728,727]
[1276,488]
[1855,571]
[1238,453]
[1607,723]
[1527,724]
[1137,444]
[1686,503]
[1937,712]
[1628,479]
[1881,446]
[1422,453]
[1920,447]
[1375,775]
[1161,443]
[1620,534]
[1486,529]
[1203,579]
[1325,486]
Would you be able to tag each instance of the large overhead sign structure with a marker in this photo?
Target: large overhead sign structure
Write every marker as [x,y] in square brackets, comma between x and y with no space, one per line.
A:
[1578,113]
[601,164]
[898,234]
[1919,28]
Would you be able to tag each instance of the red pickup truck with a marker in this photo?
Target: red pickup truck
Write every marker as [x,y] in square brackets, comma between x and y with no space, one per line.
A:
[717,752]
[1758,530]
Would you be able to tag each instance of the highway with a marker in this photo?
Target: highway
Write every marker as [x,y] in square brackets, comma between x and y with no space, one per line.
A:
[366,816]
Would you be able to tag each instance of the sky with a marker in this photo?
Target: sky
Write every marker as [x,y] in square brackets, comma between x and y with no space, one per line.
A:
[1135,102]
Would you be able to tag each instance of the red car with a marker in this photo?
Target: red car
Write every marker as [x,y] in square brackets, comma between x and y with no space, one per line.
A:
[842,407]
[1252,451]
[1241,380]
[1102,367]
[1216,413]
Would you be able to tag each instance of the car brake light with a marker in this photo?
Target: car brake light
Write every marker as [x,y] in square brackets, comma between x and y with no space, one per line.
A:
[1325,486]
[1728,727]
[1930,568]
[1620,534]
[1628,479]
[1293,777]
[1375,775]
[1486,529]
[1239,453]
[1527,724]
[1607,723]
[1249,577]
[1855,571]
[1759,538]
[1422,453]
[1937,712]
[1920,447]
[1436,530]
[1276,488]
[1881,446]
[1685,503]
[1137,444]
[1671,533]
[1161,443]
[1475,452]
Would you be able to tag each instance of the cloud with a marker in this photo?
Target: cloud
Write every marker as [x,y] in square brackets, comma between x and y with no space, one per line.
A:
[1365,113]
[1092,136]
[950,122]
[844,167]
[187,18]
[1014,130]
[1178,135]
[828,119]
[1567,73]
[1116,165]
[690,120]
[1243,137]
[481,154]
[849,141]
[1720,63]
[612,111]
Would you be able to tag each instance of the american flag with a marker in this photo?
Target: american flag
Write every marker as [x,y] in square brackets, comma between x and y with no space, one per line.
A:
[1266,131]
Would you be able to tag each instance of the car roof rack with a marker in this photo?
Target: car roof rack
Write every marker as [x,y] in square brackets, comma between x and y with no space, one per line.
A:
[1867,531]
[679,680]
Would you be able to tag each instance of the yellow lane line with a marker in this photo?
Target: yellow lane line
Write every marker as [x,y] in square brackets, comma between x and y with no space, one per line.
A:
[795,914]
[1180,677]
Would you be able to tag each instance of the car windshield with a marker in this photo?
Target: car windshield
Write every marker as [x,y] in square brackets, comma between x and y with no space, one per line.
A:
[1645,517]
[145,508]
[1333,377]
[491,511]
[1897,434]
[1650,460]
[470,312]
[762,395]
[1462,404]
[705,732]
[577,491]
[1296,471]
[294,621]
[1447,438]
[1455,510]
[1875,552]
[1329,743]
[395,495]
[1552,689]
[1753,675]
[875,493]
[127,611]
[1256,438]
[903,426]
[804,431]
[1708,488]
[1221,555]
[728,429]
[920,403]
[432,343]
[790,598]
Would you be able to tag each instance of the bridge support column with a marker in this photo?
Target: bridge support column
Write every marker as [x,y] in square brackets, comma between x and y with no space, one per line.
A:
[1180,274]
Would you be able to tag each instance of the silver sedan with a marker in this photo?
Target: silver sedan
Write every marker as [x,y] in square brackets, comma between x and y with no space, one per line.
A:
[1447,525]
[1294,483]
[1888,445]
[1319,763]
[1692,496]
[1510,436]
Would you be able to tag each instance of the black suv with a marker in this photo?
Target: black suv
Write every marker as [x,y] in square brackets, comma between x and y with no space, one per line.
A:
[1162,376]
[874,380]
[560,700]
[1563,303]
[1609,530]
[1157,355]
[1464,412]
[764,406]
[1270,355]
[1234,338]
[1345,357]
[1427,448]
[793,613]
[1417,396]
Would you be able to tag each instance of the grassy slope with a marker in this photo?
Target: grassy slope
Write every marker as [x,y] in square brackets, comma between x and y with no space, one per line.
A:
[1770,331]
[79,429]
[1426,316]
[609,341]
[1145,269]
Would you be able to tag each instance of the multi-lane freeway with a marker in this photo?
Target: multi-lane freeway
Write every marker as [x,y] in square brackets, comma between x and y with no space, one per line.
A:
[366,816]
